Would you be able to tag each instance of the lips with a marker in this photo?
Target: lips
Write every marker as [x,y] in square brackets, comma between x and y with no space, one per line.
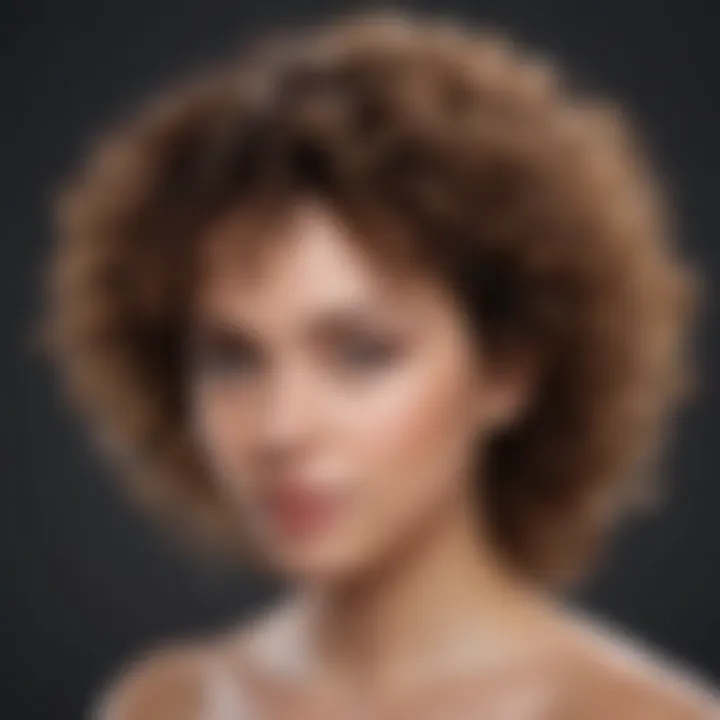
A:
[299,510]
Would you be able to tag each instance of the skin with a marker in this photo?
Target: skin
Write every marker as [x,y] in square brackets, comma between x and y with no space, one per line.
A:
[340,406]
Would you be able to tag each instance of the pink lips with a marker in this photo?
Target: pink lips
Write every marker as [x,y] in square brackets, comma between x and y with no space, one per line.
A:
[298,510]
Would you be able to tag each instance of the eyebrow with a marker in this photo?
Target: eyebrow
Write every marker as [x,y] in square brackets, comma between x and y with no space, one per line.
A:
[341,322]
[217,327]
[329,320]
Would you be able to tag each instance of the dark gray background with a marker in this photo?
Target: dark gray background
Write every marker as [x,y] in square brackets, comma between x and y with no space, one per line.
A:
[85,583]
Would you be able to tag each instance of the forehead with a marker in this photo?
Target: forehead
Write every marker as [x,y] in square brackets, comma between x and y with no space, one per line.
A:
[302,257]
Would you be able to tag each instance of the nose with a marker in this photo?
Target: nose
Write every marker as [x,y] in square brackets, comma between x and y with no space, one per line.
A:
[286,416]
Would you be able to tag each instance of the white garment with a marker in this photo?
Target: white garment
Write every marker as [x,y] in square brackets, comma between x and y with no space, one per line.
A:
[222,698]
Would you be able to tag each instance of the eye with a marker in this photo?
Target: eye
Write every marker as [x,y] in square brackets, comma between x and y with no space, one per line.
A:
[224,360]
[368,354]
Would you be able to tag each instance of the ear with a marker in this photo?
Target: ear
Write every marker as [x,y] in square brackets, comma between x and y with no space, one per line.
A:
[507,389]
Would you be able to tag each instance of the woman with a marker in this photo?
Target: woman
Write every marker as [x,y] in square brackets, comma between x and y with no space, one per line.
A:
[391,308]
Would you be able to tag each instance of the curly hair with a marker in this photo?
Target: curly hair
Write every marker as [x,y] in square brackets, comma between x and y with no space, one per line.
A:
[536,201]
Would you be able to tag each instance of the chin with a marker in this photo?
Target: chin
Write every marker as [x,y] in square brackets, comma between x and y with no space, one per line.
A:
[331,562]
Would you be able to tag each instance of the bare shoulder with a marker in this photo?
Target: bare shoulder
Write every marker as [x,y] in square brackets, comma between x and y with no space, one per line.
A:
[171,682]
[614,675]
[164,683]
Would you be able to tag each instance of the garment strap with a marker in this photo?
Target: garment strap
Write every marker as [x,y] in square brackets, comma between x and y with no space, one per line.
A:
[223,699]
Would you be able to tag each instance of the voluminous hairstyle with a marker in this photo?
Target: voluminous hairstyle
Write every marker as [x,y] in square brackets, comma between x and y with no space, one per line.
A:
[537,202]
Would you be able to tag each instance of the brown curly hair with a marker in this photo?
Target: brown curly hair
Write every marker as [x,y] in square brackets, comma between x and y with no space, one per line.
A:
[536,201]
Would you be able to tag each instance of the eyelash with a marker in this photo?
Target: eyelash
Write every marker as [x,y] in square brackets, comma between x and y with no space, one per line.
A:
[368,354]
[220,361]
[364,355]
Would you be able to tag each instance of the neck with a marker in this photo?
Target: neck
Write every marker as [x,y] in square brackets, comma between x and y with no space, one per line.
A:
[441,594]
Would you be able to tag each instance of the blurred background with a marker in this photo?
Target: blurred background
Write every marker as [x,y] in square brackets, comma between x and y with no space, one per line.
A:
[86,582]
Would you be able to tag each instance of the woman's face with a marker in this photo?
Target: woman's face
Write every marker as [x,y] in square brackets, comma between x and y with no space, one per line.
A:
[338,405]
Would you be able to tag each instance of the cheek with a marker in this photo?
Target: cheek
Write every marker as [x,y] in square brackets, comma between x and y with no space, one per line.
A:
[218,424]
[416,439]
